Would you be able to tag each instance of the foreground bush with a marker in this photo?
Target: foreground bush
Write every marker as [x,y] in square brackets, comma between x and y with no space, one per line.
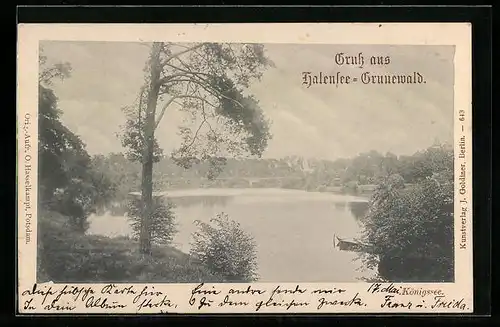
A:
[163,227]
[67,256]
[224,248]
[410,230]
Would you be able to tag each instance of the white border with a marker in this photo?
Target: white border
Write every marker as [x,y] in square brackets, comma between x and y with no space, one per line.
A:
[457,34]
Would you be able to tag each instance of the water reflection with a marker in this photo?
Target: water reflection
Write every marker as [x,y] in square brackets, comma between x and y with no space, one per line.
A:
[293,229]
[207,201]
[340,205]
[359,209]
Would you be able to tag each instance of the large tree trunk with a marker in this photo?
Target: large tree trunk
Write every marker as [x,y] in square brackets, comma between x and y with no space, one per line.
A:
[147,160]
[147,201]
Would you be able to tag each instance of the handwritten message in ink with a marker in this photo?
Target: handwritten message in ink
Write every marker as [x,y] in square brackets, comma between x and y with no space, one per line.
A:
[249,298]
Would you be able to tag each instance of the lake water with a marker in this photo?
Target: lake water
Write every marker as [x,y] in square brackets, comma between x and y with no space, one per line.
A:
[293,229]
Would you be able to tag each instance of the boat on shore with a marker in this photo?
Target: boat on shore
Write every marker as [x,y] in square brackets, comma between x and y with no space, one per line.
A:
[350,245]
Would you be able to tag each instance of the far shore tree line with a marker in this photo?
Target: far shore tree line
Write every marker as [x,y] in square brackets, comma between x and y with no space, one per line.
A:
[354,176]
[208,81]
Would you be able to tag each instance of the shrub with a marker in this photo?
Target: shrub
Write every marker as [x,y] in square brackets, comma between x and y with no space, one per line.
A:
[410,230]
[224,248]
[67,256]
[163,227]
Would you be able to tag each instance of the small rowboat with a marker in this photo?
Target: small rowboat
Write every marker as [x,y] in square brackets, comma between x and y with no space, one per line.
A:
[351,246]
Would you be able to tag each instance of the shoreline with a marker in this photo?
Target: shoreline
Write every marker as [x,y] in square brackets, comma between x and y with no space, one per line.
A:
[256,191]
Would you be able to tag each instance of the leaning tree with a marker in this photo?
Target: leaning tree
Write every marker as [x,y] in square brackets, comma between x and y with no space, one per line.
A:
[209,83]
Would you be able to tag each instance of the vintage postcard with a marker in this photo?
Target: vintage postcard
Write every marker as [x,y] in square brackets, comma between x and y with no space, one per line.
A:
[244,168]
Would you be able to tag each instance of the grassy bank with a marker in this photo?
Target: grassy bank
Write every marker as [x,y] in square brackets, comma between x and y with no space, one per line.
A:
[67,256]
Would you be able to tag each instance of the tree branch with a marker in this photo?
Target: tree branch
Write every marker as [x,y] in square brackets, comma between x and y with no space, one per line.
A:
[195,135]
[163,109]
[237,61]
[180,53]
[182,62]
[205,119]
[172,99]
[202,83]
[187,71]
[169,78]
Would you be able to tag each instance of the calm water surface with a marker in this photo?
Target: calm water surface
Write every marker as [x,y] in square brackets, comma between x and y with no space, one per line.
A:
[293,229]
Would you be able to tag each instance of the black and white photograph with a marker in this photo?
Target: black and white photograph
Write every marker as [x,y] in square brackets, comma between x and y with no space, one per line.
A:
[188,162]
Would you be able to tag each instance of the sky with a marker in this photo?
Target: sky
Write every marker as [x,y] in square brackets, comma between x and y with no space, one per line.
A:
[323,121]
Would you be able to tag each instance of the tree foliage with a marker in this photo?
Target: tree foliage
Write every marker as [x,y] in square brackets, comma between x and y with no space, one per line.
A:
[226,249]
[163,227]
[123,174]
[133,136]
[410,229]
[372,167]
[207,82]
[48,73]
[67,181]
